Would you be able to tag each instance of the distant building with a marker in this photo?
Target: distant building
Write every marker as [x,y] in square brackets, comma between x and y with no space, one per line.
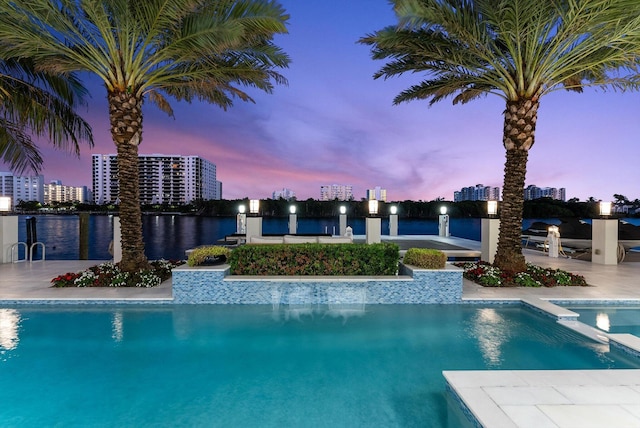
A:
[167,179]
[478,192]
[377,193]
[340,192]
[56,192]
[22,188]
[285,193]
[534,192]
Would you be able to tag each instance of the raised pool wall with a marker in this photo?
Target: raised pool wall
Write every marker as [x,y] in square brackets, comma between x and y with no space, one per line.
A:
[214,285]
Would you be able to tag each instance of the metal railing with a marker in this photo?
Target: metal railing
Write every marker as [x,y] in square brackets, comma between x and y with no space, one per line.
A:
[28,252]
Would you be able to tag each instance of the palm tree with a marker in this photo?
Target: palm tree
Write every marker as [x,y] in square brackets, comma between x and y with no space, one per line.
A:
[36,104]
[144,50]
[519,50]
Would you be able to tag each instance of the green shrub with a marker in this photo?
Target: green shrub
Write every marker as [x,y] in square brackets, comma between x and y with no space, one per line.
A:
[425,258]
[315,259]
[199,255]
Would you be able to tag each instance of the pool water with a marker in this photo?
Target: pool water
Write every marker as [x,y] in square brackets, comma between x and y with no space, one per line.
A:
[612,319]
[244,366]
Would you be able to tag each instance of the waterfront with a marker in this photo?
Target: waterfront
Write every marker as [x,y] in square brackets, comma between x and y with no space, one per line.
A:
[168,236]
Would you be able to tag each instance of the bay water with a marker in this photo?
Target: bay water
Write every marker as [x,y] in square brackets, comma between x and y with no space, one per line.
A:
[168,236]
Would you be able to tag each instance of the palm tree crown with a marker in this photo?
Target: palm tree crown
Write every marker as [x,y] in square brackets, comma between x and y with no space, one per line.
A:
[37,104]
[518,50]
[208,50]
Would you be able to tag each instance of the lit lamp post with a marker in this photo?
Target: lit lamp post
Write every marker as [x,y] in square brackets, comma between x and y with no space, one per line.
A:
[241,220]
[373,224]
[293,220]
[343,220]
[254,221]
[490,229]
[604,237]
[553,237]
[443,222]
[8,229]
[393,221]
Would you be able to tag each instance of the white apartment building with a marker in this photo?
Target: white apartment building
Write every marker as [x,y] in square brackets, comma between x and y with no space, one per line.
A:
[168,179]
[341,192]
[377,193]
[478,192]
[285,193]
[534,192]
[22,188]
[57,192]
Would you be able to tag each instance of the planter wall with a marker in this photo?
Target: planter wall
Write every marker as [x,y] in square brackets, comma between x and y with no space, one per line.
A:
[214,285]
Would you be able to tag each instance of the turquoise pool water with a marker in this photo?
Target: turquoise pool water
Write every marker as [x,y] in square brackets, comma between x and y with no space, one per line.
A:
[245,366]
[612,319]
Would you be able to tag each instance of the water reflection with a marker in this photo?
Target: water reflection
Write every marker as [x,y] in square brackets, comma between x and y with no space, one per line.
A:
[117,331]
[9,327]
[492,332]
[602,321]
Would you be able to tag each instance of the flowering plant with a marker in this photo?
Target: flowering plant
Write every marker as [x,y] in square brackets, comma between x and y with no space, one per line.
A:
[488,275]
[109,275]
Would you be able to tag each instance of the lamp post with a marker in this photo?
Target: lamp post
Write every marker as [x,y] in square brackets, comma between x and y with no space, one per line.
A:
[490,229]
[393,220]
[8,229]
[293,220]
[553,237]
[241,220]
[604,237]
[373,224]
[342,219]
[443,222]
[254,221]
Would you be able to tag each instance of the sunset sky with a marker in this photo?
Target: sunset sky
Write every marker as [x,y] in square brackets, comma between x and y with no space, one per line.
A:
[334,124]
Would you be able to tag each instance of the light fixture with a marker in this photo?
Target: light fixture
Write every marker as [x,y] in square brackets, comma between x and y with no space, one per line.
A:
[254,206]
[492,208]
[605,209]
[242,209]
[292,209]
[443,210]
[343,209]
[554,230]
[394,209]
[5,203]
[373,207]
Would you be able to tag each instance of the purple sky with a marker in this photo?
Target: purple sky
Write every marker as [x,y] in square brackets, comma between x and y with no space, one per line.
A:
[334,124]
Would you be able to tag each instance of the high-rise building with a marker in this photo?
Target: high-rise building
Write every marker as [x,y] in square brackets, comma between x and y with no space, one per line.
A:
[168,179]
[22,188]
[534,192]
[341,192]
[377,193]
[478,192]
[285,193]
[57,192]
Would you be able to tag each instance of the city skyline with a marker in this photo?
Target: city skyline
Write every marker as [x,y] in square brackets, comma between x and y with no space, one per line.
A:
[334,124]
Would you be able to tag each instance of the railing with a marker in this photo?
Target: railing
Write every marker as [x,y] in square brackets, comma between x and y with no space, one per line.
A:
[15,252]
[28,252]
[35,245]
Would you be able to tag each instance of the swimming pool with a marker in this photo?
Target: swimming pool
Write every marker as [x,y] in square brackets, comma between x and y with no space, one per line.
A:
[612,319]
[253,366]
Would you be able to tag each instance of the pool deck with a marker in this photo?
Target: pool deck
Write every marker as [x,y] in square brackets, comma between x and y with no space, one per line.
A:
[496,399]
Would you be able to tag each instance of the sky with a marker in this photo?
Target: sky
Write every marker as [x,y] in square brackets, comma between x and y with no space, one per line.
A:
[334,124]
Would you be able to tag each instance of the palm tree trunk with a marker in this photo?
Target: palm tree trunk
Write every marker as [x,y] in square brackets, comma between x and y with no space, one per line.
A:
[126,130]
[519,131]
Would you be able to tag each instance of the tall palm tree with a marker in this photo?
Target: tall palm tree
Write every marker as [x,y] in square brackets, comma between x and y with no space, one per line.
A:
[143,50]
[519,50]
[36,104]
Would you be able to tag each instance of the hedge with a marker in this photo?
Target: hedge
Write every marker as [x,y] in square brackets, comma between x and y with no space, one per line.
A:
[425,258]
[315,259]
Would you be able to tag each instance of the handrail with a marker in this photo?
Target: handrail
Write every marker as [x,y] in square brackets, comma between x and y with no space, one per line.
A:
[17,254]
[31,252]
